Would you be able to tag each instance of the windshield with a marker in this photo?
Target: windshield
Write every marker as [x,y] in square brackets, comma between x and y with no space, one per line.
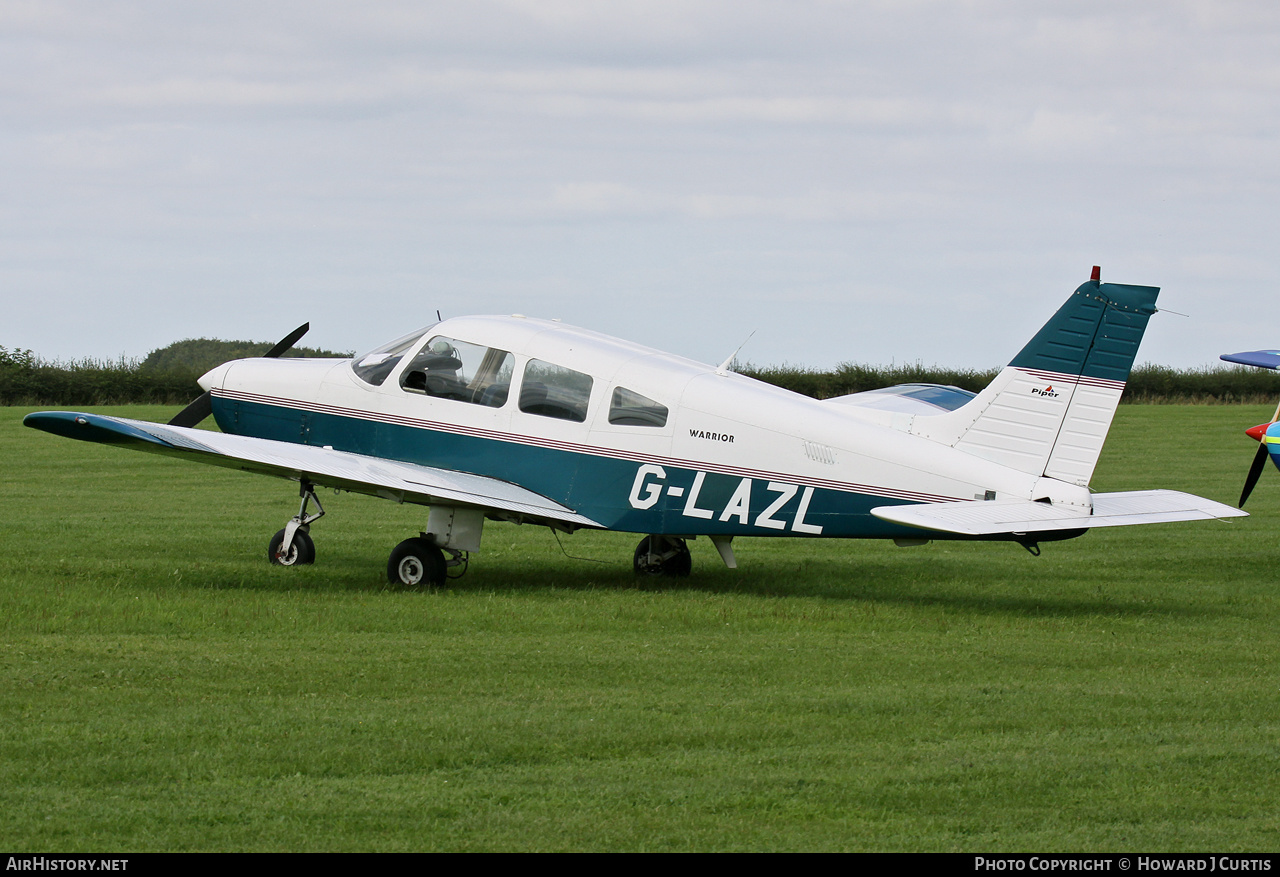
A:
[374,366]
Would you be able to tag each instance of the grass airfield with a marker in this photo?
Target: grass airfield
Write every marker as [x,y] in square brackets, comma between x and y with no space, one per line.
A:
[163,688]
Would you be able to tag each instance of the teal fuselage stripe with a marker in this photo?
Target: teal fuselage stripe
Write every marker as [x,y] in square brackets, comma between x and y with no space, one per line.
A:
[605,489]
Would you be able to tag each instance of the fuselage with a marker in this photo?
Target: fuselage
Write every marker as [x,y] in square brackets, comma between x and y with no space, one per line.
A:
[631,437]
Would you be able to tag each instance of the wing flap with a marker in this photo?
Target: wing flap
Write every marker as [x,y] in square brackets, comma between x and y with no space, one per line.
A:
[1018,516]
[404,482]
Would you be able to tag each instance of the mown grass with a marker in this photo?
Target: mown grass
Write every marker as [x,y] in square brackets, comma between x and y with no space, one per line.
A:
[164,688]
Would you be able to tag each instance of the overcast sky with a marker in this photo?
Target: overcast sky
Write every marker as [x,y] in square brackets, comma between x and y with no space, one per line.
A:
[854,181]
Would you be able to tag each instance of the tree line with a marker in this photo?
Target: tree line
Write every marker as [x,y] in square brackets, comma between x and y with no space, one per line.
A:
[168,377]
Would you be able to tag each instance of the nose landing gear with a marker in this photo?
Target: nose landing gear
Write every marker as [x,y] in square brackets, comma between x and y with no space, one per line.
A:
[293,545]
[301,550]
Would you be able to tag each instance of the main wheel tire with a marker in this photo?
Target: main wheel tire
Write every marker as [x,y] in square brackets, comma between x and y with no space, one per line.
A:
[416,562]
[662,556]
[301,551]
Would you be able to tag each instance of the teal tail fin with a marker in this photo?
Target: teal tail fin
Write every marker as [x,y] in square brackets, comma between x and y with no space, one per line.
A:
[1048,411]
[1095,334]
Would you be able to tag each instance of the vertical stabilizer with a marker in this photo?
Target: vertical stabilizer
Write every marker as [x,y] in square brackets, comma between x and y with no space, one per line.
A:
[1048,411]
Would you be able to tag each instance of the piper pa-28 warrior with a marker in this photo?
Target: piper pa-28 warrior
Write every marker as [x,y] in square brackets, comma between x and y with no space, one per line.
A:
[531,421]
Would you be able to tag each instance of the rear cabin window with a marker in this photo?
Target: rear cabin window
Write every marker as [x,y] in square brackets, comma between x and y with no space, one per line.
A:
[629,408]
[551,390]
[450,369]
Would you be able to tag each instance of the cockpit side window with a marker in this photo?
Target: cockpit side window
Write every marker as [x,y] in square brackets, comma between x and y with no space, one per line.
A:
[374,366]
[447,368]
[629,408]
[551,390]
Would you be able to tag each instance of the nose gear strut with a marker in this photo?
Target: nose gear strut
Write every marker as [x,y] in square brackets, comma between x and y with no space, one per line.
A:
[293,546]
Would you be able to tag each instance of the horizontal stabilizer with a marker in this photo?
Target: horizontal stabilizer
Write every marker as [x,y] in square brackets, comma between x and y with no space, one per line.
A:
[404,482]
[1018,516]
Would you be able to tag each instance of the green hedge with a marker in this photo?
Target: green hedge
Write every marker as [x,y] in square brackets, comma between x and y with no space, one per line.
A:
[1147,383]
[25,379]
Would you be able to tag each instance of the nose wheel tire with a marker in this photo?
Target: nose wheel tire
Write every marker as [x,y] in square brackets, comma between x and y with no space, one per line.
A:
[416,562]
[662,556]
[301,551]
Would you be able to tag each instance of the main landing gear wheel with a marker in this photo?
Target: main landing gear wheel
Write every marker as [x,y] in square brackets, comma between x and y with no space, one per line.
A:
[301,551]
[416,562]
[662,556]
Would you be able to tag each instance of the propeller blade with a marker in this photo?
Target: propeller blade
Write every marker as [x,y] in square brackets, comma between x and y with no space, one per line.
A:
[1255,471]
[1258,433]
[287,341]
[202,406]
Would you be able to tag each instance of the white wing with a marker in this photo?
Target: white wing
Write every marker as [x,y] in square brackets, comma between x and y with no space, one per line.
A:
[403,482]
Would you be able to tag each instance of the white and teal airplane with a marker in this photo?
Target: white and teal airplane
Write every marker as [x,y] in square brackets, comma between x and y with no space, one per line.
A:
[509,418]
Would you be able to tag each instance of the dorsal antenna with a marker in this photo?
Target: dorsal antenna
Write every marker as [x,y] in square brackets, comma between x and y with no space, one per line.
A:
[724,366]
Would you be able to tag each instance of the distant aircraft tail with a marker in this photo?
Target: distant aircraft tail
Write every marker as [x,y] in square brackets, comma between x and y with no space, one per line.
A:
[1048,411]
